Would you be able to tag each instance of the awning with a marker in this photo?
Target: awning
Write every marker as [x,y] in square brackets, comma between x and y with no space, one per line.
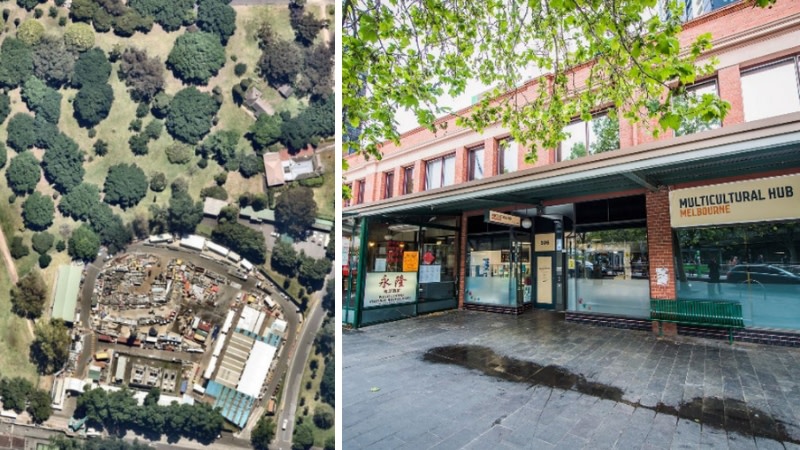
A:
[755,147]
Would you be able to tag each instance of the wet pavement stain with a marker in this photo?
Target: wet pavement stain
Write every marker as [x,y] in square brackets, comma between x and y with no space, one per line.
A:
[726,414]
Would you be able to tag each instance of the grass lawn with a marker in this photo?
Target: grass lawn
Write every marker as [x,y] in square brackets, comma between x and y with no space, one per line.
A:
[294,287]
[15,340]
[310,404]
[324,195]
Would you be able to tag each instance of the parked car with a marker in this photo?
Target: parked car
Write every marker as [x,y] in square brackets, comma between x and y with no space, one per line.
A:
[761,273]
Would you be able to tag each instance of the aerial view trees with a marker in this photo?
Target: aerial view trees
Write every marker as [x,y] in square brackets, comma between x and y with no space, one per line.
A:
[63,163]
[21,132]
[23,173]
[79,201]
[42,99]
[37,211]
[18,392]
[190,115]
[216,17]
[296,211]
[92,104]
[184,213]
[52,62]
[50,348]
[196,57]
[169,14]
[142,74]
[92,67]
[29,295]
[242,239]
[16,62]
[126,185]
[84,243]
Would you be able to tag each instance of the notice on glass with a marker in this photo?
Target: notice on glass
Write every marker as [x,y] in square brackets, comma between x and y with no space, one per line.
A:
[662,276]
[380,264]
[430,273]
[410,261]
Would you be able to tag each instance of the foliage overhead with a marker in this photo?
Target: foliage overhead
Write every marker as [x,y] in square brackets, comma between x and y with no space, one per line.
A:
[242,239]
[125,185]
[280,60]
[79,201]
[63,164]
[92,104]
[16,62]
[296,211]
[30,32]
[142,74]
[52,62]
[170,14]
[196,57]
[83,244]
[221,145]
[190,115]
[184,213]
[92,67]
[23,173]
[216,17]
[262,434]
[37,211]
[29,295]
[42,99]
[50,348]
[21,132]
[318,120]
[404,57]
[79,37]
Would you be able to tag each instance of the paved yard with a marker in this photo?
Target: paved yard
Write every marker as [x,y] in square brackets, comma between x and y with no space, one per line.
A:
[478,380]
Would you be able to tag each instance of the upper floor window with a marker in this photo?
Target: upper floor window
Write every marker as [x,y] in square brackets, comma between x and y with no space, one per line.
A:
[347,200]
[360,188]
[598,135]
[388,184]
[440,172]
[696,93]
[476,163]
[408,180]
[771,90]
[691,9]
[507,156]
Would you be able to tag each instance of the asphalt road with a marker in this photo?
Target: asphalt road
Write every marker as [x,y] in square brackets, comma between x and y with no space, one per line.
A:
[315,315]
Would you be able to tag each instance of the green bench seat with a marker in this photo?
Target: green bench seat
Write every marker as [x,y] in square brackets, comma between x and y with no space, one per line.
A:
[722,314]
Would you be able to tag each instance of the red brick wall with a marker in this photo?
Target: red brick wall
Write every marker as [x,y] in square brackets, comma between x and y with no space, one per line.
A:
[462,265]
[659,248]
[729,84]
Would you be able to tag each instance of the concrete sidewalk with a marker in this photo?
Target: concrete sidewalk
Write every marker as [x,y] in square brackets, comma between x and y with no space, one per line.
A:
[482,381]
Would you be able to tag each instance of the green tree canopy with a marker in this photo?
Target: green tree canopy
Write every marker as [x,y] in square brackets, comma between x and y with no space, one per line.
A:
[196,57]
[327,386]
[280,60]
[42,242]
[79,201]
[323,416]
[284,258]
[92,67]
[84,244]
[265,131]
[92,104]
[184,213]
[242,239]
[303,437]
[29,296]
[21,132]
[37,211]
[42,99]
[39,405]
[23,173]
[50,348]
[216,17]
[315,122]
[296,211]
[305,25]
[63,164]
[125,185]
[30,32]
[130,22]
[142,74]
[312,272]
[250,165]
[262,434]
[82,10]
[5,108]
[158,182]
[79,37]
[109,227]
[15,392]
[170,14]
[402,56]
[221,145]
[190,115]
[52,62]
[16,62]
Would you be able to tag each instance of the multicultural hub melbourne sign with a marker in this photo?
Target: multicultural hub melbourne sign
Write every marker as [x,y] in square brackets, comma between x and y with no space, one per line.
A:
[765,199]
[390,288]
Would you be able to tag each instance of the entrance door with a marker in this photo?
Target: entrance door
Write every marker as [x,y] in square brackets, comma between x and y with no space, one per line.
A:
[521,284]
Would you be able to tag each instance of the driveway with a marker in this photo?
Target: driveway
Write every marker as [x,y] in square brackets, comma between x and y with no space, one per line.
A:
[475,380]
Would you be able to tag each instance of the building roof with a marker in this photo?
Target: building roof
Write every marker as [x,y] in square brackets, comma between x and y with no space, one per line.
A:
[286,91]
[235,406]
[322,225]
[273,169]
[213,206]
[193,241]
[251,319]
[265,215]
[299,168]
[66,293]
[256,368]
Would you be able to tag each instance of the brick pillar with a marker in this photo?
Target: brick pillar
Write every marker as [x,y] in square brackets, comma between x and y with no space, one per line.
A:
[490,158]
[462,263]
[397,187]
[462,165]
[419,175]
[659,248]
[730,88]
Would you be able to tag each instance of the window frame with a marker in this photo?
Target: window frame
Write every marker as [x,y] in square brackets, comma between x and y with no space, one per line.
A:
[442,172]
[794,59]
[696,87]
[362,184]
[587,134]
[347,201]
[501,169]
[471,160]
[388,184]
[408,180]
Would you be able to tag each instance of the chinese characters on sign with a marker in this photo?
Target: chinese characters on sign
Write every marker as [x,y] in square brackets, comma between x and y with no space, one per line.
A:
[390,288]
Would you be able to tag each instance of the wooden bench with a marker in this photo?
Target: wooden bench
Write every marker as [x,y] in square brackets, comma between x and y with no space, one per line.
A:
[723,314]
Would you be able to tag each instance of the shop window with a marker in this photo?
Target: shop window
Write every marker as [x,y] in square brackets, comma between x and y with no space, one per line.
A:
[388,184]
[476,163]
[695,94]
[598,135]
[757,265]
[609,272]
[771,90]
[507,156]
[691,9]
[440,172]
[408,180]
[360,188]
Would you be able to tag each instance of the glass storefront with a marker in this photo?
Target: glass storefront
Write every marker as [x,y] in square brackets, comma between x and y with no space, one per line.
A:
[608,272]
[351,246]
[755,264]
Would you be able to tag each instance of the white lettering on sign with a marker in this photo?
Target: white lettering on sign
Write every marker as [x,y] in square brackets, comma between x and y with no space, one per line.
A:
[499,218]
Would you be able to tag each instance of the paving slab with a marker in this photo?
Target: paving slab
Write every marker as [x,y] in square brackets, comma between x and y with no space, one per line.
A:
[464,379]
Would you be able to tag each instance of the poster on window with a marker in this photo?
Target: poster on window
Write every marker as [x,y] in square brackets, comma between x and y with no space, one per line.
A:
[390,288]
[430,274]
